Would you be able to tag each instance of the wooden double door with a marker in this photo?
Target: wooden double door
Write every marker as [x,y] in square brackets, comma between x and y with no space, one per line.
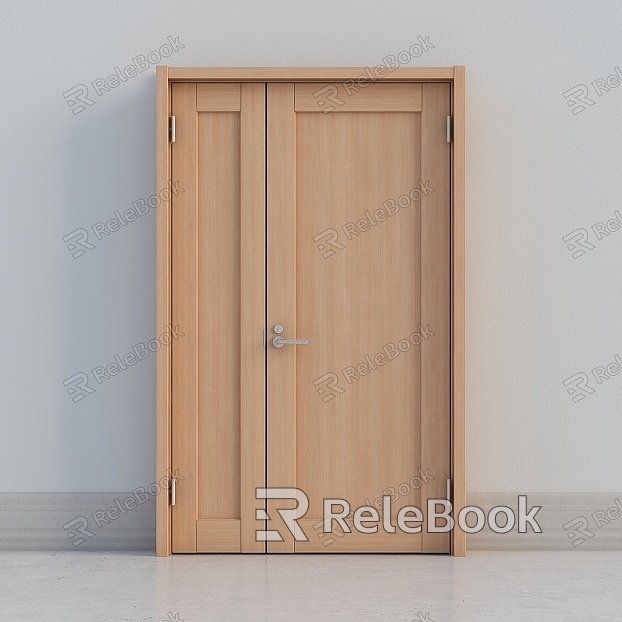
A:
[325,224]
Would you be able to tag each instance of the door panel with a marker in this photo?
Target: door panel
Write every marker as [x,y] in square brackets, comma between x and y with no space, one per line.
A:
[353,284]
[219,303]
[347,246]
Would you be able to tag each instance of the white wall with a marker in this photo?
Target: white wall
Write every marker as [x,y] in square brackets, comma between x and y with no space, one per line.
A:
[536,172]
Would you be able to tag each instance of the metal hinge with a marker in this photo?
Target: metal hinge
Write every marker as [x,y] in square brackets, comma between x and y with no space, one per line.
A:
[448,491]
[173,487]
[448,129]
[171,129]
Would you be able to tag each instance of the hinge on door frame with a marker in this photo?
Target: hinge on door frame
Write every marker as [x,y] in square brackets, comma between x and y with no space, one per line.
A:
[449,129]
[448,490]
[173,486]
[171,129]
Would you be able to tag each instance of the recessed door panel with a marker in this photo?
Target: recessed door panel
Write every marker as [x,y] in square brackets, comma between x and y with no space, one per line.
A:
[219,303]
[360,197]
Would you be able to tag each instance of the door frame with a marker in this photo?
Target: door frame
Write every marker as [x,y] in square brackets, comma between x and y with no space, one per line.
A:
[165,77]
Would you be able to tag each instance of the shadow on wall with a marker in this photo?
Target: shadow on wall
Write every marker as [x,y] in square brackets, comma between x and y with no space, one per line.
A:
[109,164]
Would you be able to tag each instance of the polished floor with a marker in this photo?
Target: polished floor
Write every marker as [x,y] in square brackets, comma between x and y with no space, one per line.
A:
[574,586]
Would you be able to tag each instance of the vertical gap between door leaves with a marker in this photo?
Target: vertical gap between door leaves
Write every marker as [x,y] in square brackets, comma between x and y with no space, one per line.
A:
[265,171]
[170,314]
[451,304]
[419,135]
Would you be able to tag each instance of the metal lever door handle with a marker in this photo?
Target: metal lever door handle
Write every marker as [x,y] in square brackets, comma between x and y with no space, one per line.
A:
[279,342]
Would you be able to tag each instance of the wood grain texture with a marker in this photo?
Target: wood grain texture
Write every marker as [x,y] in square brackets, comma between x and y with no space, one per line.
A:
[249,461]
[435,301]
[218,536]
[218,97]
[308,74]
[281,431]
[359,299]
[252,311]
[357,542]
[163,313]
[372,97]
[354,303]
[184,313]
[218,293]
[219,287]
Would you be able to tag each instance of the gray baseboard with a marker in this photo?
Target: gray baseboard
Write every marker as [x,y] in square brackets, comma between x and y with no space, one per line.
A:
[558,509]
[43,522]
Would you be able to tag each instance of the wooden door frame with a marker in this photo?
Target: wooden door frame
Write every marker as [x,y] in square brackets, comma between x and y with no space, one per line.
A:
[165,77]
